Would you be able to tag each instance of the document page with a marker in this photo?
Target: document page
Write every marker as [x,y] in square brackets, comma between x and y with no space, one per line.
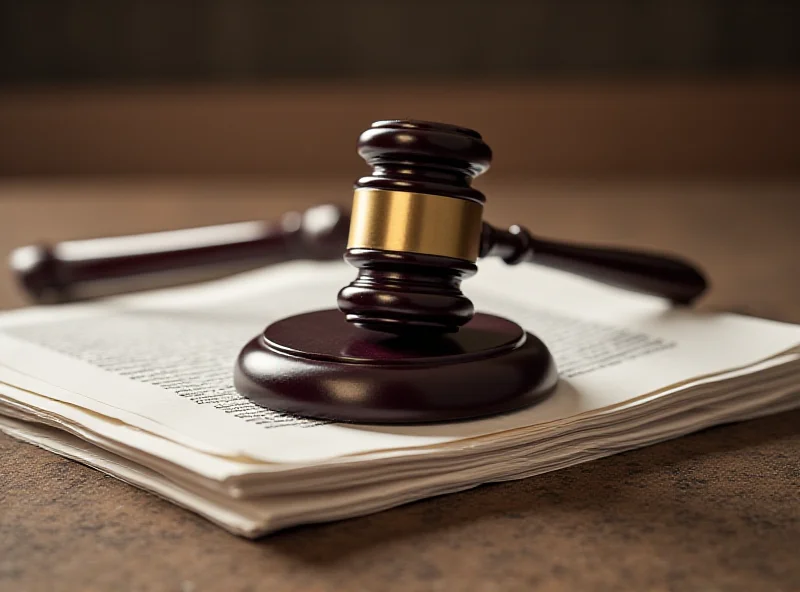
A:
[163,362]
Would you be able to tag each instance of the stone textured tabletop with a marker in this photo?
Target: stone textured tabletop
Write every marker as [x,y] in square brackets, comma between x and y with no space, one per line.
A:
[717,510]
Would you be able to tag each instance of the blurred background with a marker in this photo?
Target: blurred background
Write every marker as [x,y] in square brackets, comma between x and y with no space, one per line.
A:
[136,41]
[570,88]
[138,115]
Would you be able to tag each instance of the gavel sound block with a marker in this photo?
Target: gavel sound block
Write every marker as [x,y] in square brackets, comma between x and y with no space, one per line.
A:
[405,344]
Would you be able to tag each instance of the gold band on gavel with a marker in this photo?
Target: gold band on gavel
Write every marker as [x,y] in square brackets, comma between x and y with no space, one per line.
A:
[415,223]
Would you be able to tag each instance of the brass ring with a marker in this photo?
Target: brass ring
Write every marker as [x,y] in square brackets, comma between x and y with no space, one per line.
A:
[415,223]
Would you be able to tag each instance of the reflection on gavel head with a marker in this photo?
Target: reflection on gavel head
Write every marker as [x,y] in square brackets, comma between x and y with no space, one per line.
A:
[415,230]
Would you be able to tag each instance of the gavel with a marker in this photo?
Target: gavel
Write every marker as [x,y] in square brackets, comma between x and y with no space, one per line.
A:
[405,344]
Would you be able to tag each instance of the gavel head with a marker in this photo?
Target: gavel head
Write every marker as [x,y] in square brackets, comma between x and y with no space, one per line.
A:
[415,230]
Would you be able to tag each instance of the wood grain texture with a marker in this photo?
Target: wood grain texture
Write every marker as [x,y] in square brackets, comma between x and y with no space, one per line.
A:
[715,510]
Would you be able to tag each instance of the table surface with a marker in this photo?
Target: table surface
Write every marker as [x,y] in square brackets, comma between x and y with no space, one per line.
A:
[717,510]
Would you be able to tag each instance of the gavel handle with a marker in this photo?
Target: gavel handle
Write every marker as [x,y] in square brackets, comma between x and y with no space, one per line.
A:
[78,270]
[637,271]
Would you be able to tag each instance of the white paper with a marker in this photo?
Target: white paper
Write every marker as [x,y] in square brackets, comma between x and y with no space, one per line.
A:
[164,362]
[141,387]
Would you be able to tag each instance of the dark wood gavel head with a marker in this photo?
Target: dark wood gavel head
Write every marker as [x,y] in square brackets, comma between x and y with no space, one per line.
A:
[415,227]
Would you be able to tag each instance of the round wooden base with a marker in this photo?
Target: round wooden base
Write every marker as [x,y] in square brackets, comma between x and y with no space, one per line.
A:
[319,365]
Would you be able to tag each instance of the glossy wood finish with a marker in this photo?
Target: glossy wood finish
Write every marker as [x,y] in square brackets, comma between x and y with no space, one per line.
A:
[407,292]
[424,157]
[398,292]
[639,271]
[116,265]
[388,359]
[81,269]
[404,292]
[416,298]
[318,365]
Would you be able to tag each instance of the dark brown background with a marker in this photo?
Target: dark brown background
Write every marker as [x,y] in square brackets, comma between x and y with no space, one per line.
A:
[190,41]
[577,89]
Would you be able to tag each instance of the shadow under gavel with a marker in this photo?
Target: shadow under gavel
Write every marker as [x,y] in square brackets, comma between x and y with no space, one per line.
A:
[79,270]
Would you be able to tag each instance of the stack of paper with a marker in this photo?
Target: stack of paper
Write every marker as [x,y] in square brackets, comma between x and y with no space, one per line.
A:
[141,387]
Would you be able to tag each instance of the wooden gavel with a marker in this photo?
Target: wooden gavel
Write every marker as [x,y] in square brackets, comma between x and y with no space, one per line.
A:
[77,270]
[415,232]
